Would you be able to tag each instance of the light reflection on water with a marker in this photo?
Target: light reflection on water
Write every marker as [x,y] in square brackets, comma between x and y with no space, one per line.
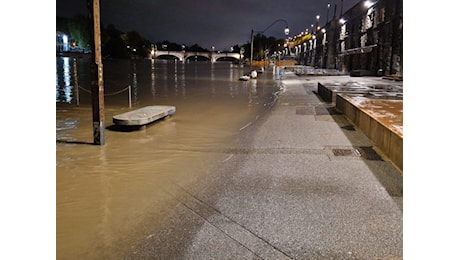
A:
[63,80]
[109,197]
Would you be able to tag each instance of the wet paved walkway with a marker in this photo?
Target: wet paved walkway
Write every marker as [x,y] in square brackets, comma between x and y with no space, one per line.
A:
[286,190]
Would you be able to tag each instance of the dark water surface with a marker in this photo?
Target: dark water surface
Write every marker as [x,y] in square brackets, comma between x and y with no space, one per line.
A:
[109,197]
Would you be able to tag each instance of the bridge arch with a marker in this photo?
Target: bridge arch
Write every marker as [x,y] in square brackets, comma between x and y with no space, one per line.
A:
[195,55]
[227,59]
[158,53]
[168,55]
[226,55]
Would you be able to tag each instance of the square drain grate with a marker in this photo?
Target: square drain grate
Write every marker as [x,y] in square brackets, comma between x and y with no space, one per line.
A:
[365,152]
[346,152]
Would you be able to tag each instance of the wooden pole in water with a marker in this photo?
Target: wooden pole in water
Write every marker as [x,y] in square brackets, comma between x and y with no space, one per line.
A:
[75,77]
[97,79]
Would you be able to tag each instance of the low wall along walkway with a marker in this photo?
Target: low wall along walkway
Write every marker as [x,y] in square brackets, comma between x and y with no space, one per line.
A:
[375,107]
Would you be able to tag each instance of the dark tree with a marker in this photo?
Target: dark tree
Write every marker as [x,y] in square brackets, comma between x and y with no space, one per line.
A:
[197,48]
[136,44]
[236,48]
[169,46]
[79,28]
[112,43]
[261,44]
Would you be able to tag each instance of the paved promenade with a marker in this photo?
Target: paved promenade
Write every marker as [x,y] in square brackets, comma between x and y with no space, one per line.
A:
[295,186]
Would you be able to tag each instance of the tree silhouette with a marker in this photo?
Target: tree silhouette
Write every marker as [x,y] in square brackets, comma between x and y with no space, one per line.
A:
[79,29]
[197,48]
[262,43]
[112,43]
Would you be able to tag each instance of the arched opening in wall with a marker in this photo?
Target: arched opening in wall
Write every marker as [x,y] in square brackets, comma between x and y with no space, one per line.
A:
[197,58]
[167,57]
[227,59]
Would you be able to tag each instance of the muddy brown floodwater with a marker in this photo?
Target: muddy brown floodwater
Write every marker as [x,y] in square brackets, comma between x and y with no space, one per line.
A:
[109,197]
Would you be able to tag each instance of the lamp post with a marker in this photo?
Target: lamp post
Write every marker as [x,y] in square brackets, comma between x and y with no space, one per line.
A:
[327,16]
[341,7]
[286,32]
[317,23]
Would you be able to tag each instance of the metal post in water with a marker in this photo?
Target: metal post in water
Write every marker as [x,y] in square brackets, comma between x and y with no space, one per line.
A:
[97,79]
[129,91]
[252,47]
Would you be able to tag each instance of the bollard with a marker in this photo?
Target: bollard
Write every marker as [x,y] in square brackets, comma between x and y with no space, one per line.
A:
[129,91]
[278,71]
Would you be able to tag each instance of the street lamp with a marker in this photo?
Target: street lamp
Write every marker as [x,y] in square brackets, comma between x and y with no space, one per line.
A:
[317,23]
[368,3]
[327,16]
[286,32]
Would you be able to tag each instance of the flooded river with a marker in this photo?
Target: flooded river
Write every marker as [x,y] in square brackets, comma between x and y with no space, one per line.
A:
[110,197]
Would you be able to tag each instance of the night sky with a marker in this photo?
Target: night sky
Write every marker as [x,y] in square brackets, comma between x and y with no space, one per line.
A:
[219,23]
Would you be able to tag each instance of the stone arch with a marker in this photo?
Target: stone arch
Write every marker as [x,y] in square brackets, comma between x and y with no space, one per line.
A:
[227,58]
[192,56]
[227,55]
[169,55]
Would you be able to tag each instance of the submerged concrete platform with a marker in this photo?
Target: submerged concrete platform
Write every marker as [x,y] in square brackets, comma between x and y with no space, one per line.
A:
[143,116]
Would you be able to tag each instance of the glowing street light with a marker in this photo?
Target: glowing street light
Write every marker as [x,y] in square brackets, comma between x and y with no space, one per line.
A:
[368,3]
[317,23]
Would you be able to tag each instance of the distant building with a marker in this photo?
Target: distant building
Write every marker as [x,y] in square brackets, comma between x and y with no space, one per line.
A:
[62,42]
[366,40]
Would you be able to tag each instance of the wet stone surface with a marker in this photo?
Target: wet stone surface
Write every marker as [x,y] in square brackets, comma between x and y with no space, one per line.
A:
[369,153]
[304,110]
[349,127]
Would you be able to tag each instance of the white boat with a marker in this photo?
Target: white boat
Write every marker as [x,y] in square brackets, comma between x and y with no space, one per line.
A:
[245,78]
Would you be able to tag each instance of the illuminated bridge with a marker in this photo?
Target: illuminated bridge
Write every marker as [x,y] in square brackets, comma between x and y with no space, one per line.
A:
[184,55]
